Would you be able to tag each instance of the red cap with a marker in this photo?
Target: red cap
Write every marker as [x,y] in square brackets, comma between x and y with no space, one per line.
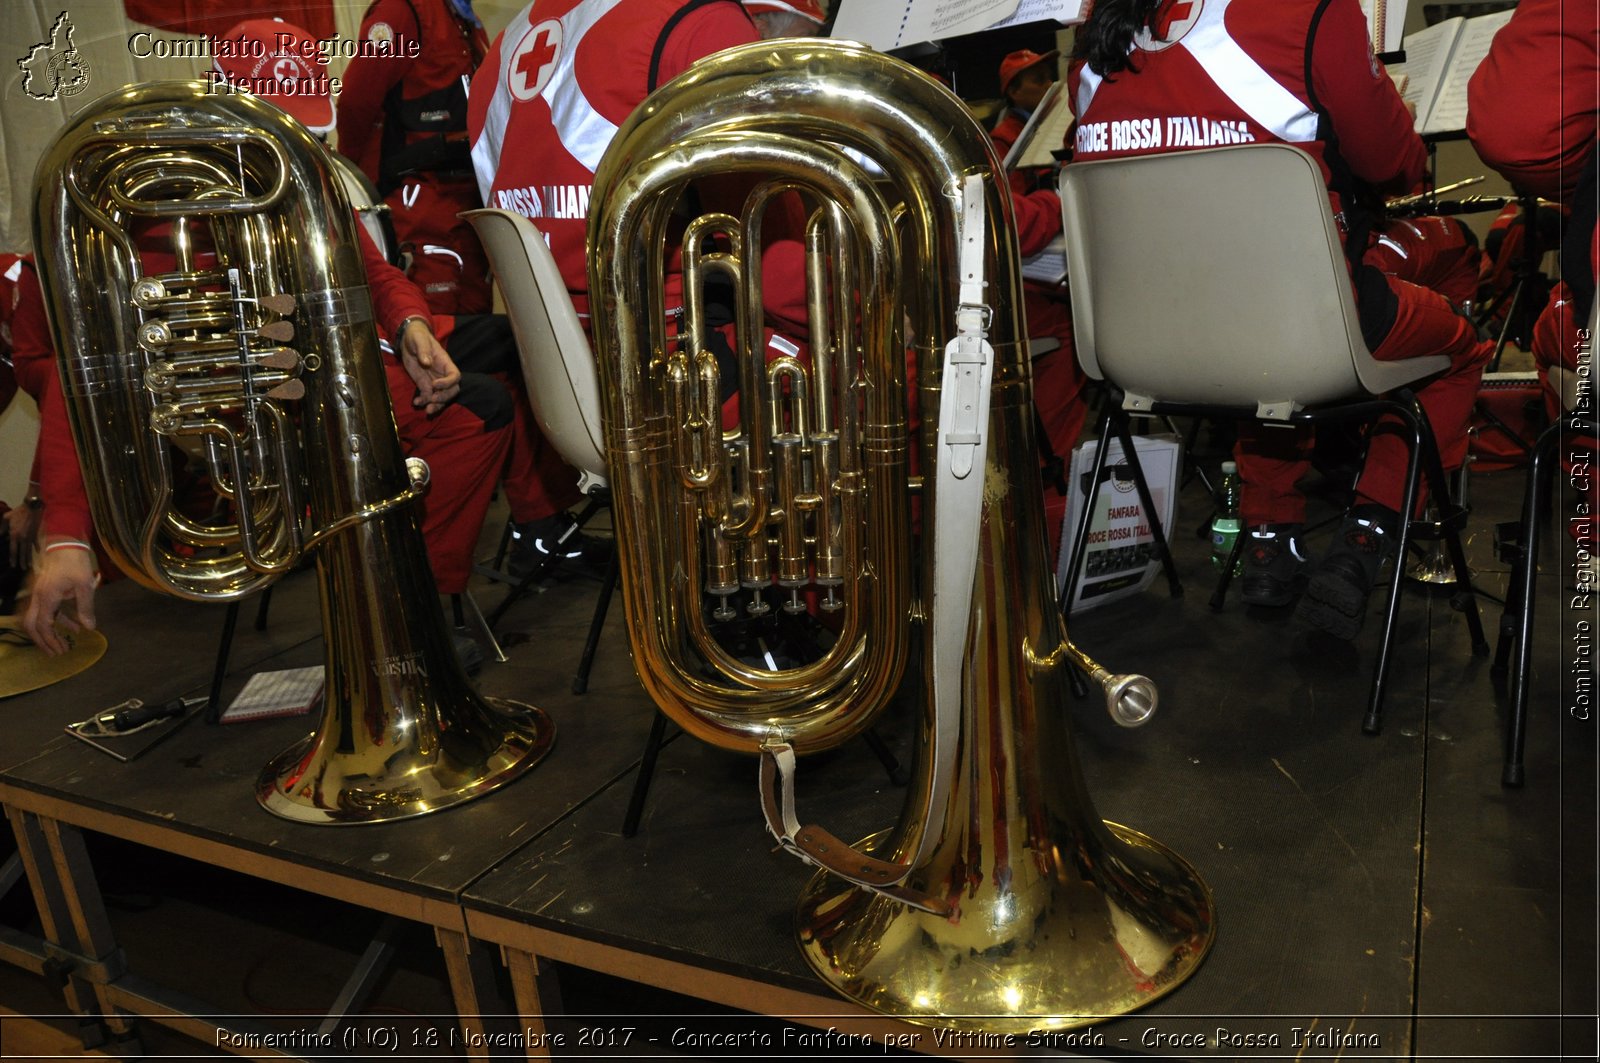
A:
[1017,62]
[811,9]
[271,50]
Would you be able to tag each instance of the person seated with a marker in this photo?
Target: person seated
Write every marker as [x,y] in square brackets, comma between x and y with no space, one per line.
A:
[1058,381]
[402,119]
[1525,120]
[539,486]
[1302,72]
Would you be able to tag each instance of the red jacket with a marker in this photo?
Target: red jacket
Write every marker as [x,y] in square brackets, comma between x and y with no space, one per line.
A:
[1531,103]
[1037,208]
[556,85]
[1234,71]
[404,102]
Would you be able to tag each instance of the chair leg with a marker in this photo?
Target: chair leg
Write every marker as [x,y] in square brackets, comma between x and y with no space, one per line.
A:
[1423,457]
[1409,413]
[580,682]
[1080,535]
[1157,532]
[1523,575]
[464,604]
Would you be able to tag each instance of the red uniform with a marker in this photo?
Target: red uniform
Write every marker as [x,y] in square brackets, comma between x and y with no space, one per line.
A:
[1234,71]
[1435,252]
[1531,102]
[1058,380]
[403,118]
[556,85]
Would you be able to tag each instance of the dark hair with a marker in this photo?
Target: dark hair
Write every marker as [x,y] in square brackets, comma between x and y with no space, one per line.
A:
[1104,39]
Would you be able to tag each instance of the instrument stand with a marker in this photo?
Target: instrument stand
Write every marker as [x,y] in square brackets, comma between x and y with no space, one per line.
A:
[591,645]
[657,737]
[225,646]
[1530,288]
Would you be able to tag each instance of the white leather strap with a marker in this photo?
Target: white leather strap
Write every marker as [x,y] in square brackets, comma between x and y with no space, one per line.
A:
[957,523]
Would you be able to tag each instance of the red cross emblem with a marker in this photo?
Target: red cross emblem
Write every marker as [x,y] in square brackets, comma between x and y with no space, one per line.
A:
[1172,19]
[1169,12]
[534,60]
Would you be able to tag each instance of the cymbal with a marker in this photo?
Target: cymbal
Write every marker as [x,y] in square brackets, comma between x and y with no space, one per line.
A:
[25,667]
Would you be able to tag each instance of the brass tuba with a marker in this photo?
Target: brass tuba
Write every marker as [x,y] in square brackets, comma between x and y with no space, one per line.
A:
[267,365]
[1000,902]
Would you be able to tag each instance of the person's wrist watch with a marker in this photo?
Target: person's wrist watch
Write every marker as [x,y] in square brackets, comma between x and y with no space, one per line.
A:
[400,333]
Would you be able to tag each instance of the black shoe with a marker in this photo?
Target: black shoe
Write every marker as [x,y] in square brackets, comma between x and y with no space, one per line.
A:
[1274,570]
[554,538]
[1336,597]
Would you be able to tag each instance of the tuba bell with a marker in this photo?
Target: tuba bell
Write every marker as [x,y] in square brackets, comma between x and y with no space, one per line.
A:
[266,367]
[1000,901]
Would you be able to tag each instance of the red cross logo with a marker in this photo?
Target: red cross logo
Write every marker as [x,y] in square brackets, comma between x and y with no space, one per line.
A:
[1169,13]
[534,60]
[1172,20]
[286,69]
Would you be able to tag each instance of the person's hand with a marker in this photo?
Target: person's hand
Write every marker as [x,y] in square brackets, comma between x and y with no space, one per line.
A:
[430,367]
[22,529]
[63,577]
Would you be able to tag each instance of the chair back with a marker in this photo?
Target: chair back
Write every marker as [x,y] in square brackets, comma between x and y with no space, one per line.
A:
[557,363]
[371,211]
[1216,277]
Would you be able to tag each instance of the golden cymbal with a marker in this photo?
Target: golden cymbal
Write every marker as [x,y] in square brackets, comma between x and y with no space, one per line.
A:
[25,667]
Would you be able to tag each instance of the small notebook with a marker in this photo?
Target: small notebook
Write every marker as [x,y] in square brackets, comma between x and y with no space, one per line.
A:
[291,692]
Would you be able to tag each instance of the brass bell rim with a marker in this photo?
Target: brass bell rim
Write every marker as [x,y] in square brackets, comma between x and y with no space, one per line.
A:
[521,725]
[825,887]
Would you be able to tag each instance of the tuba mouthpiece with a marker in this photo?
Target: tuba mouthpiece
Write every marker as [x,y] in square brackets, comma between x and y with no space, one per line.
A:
[1131,699]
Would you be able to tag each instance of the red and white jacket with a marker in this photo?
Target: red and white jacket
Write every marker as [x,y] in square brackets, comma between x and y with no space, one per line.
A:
[556,85]
[1218,72]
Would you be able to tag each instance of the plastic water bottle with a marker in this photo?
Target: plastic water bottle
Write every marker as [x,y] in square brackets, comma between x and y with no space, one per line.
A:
[1225,525]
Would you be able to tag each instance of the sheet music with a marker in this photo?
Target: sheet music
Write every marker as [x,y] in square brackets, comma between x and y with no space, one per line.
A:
[1044,133]
[1386,24]
[1450,105]
[1065,12]
[1427,51]
[887,26]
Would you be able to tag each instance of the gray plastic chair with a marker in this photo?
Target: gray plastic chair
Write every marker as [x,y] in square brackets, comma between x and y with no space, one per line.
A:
[1213,283]
[559,374]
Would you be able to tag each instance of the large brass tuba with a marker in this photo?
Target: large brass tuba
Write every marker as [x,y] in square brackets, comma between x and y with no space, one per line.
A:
[268,365]
[1000,901]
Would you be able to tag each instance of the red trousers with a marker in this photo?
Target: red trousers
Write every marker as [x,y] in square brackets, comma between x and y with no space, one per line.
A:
[487,437]
[1433,252]
[1272,460]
